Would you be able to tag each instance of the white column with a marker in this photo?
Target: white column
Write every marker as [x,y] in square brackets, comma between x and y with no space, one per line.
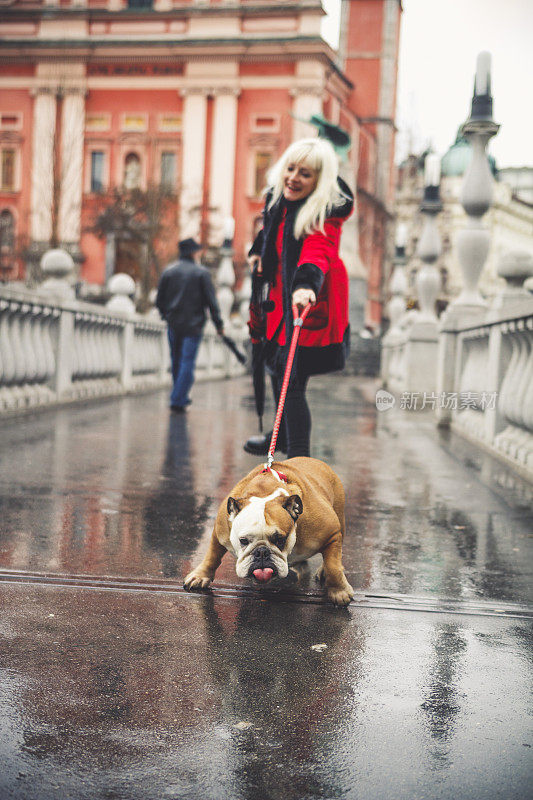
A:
[42,175]
[193,161]
[222,167]
[70,185]
[307,101]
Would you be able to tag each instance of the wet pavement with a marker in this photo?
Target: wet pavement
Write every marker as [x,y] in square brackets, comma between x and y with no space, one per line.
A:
[115,683]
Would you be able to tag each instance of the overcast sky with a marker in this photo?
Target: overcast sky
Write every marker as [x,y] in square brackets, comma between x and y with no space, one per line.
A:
[439,43]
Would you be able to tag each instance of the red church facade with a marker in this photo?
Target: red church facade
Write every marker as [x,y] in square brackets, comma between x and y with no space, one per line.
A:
[200,97]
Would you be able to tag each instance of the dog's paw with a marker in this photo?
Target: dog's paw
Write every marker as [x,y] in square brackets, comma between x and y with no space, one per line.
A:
[195,582]
[340,595]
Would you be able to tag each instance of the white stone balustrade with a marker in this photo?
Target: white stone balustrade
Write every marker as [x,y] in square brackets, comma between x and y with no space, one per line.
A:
[493,383]
[56,351]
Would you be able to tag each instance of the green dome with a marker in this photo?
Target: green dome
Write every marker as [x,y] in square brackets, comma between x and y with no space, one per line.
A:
[457,158]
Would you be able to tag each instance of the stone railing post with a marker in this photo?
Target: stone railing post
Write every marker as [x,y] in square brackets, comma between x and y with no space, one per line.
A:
[57,265]
[122,288]
[422,336]
[472,242]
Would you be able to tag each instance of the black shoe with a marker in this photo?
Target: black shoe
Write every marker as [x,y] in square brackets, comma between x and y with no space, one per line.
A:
[260,444]
[178,409]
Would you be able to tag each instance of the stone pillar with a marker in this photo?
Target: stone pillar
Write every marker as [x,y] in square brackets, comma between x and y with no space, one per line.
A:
[222,167]
[423,336]
[70,187]
[193,161]
[42,172]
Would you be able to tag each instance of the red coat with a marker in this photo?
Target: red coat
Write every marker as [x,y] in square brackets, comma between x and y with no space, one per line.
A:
[314,263]
[327,322]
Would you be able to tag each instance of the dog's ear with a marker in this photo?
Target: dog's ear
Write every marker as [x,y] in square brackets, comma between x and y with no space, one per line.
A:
[294,506]
[234,506]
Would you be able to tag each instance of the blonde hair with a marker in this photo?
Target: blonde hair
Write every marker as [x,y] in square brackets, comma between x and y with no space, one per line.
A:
[318,154]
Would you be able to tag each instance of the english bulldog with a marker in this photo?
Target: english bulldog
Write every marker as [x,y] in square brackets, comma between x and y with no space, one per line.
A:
[278,518]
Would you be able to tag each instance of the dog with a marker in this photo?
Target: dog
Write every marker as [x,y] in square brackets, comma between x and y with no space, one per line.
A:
[277,518]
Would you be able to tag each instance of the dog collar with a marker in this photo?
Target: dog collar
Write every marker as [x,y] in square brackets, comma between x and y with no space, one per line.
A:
[282,478]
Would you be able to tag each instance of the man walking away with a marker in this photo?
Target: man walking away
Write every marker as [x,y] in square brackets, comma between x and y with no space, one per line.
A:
[185,291]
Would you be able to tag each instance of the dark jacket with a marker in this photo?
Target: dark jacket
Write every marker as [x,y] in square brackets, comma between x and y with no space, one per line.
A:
[185,291]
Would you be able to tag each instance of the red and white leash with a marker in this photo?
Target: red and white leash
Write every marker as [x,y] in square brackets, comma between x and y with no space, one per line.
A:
[298,322]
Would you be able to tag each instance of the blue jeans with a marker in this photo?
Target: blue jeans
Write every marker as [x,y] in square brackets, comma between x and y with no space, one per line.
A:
[183,353]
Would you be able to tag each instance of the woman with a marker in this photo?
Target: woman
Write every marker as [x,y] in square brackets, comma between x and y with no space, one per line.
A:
[296,255]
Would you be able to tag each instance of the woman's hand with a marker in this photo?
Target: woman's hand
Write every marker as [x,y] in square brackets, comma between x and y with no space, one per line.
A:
[302,297]
[254,263]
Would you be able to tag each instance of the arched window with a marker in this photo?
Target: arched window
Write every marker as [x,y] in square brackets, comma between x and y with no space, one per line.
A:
[132,171]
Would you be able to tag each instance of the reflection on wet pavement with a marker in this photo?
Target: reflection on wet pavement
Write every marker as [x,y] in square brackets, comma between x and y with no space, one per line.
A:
[121,488]
[117,684]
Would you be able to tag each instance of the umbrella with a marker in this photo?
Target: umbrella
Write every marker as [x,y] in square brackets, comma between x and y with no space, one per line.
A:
[234,349]
[258,380]
[258,329]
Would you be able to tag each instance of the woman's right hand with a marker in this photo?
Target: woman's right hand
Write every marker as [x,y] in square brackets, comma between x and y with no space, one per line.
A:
[255,264]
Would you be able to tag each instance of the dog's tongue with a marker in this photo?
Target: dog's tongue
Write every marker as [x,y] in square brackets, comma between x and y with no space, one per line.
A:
[263,575]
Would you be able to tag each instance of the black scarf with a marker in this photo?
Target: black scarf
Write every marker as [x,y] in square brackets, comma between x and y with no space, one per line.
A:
[290,252]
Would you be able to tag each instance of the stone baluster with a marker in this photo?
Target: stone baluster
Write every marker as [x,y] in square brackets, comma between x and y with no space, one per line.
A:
[18,349]
[37,339]
[30,356]
[47,321]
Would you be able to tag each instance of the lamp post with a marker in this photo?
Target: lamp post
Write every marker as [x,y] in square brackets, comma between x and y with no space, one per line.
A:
[398,281]
[473,242]
[225,272]
[428,279]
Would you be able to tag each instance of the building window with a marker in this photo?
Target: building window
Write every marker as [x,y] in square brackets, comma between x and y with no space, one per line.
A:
[168,170]
[97,122]
[97,171]
[140,3]
[8,170]
[135,123]
[170,123]
[262,163]
[7,230]
[11,122]
[265,123]
[132,171]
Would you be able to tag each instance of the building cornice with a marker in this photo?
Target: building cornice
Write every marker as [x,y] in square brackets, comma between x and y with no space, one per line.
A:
[293,48]
[256,10]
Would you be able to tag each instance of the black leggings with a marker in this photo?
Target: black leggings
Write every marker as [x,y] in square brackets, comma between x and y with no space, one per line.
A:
[295,429]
